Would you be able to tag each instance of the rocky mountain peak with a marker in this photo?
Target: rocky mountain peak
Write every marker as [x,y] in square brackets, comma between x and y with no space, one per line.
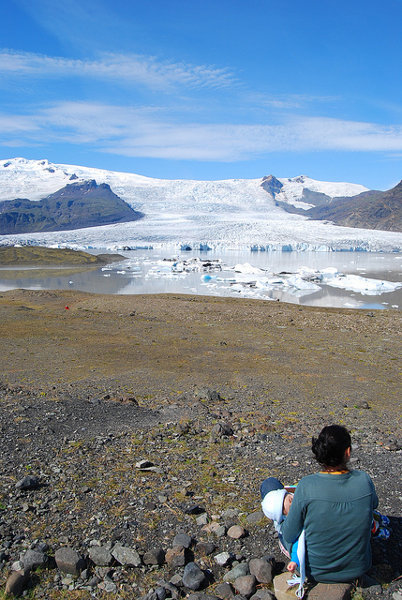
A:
[271,184]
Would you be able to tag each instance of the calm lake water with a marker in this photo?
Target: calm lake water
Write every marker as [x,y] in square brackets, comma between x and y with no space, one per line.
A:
[155,271]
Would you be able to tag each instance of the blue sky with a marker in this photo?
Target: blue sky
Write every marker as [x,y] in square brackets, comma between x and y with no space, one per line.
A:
[206,89]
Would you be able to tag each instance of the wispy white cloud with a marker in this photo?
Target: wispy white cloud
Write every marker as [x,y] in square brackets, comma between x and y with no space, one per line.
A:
[148,71]
[144,132]
[288,101]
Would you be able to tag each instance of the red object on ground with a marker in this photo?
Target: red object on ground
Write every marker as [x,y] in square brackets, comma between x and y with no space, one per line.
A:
[67,307]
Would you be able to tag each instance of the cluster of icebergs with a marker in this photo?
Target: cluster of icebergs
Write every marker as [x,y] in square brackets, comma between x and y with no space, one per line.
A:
[244,279]
[307,281]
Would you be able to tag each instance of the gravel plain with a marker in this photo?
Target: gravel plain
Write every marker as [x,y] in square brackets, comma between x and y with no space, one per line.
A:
[216,394]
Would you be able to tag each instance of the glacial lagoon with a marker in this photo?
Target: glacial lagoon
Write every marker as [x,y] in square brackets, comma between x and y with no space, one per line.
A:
[362,280]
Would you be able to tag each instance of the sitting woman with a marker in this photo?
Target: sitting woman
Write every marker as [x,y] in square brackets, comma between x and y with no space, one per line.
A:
[335,509]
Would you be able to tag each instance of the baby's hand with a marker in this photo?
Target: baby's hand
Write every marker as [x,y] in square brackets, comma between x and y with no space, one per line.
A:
[292,567]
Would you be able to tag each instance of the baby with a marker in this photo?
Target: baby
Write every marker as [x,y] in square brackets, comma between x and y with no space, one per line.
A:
[276,502]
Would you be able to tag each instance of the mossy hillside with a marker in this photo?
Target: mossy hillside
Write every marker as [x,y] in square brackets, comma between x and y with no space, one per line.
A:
[39,256]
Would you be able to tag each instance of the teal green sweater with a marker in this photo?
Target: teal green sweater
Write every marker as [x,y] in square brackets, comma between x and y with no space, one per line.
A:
[336,512]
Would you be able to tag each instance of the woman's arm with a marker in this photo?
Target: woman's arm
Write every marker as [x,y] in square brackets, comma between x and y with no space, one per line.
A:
[374,493]
[293,524]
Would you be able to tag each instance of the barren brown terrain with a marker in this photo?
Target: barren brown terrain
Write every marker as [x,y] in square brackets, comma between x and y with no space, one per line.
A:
[152,376]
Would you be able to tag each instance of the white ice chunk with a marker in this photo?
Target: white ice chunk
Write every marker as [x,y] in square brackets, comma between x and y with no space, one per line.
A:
[363,285]
[247,268]
[301,284]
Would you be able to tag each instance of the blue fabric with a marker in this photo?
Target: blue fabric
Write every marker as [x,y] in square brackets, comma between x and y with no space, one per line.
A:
[268,485]
[293,554]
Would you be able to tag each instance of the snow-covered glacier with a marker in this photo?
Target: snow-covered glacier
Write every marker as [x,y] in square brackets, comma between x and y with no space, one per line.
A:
[236,213]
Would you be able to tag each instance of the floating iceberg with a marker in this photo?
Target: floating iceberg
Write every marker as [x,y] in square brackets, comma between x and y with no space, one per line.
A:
[363,285]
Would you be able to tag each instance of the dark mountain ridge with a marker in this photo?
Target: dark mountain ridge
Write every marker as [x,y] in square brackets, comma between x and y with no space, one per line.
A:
[77,205]
[373,209]
[369,210]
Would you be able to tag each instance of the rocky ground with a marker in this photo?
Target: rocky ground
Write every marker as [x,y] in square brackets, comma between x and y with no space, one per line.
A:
[145,425]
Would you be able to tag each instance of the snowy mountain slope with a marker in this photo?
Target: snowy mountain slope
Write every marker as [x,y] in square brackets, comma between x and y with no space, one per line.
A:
[294,190]
[229,213]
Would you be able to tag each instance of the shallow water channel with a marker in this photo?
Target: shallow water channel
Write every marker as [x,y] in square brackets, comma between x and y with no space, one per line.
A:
[282,276]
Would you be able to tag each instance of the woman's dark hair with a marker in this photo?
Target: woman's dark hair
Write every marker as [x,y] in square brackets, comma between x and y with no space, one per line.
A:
[330,446]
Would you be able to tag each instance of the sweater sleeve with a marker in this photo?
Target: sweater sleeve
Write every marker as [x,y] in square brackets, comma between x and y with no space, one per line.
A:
[293,524]
[293,554]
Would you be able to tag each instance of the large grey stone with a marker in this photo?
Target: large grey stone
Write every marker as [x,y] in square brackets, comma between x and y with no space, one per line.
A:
[224,591]
[206,548]
[237,571]
[100,555]
[156,556]
[29,482]
[33,558]
[263,595]
[221,429]
[69,561]
[16,582]
[261,569]
[245,585]
[236,532]
[182,539]
[331,591]
[128,557]
[255,517]
[193,577]
[177,557]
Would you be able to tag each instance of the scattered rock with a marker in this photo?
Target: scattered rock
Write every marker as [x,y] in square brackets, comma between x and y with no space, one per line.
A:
[263,594]
[29,482]
[238,571]
[261,569]
[224,591]
[206,548]
[393,446]
[245,585]
[222,429]
[177,556]
[210,395]
[100,556]
[69,561]
[33,558]
[126,556]
[330,591]
[202,519]
[194,509]
[223,559]
[155,556]
[16,582]
[255,517]
[236,532]
[183,540]
[193,577]
[281,588]
[143,465]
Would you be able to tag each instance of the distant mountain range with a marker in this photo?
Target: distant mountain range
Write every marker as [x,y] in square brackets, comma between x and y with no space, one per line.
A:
[369,210]
[75,206]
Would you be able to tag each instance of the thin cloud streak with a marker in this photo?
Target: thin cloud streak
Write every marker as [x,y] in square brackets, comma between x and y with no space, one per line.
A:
[145,70]
[144,132]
